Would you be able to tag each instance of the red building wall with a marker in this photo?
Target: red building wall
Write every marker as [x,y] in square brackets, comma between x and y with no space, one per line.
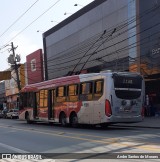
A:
[35,67]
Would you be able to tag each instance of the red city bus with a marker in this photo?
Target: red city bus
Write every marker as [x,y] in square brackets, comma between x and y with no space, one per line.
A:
[97,98]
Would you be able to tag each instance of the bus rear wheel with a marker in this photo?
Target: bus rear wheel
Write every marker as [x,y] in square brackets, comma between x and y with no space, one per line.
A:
[104,125]
[74,120]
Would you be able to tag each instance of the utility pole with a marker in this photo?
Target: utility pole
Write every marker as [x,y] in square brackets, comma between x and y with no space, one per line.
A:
[13,59]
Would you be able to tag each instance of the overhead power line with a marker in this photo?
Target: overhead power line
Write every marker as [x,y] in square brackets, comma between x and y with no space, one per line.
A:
[33,21]
[121,27]
[18,18]
[112,44]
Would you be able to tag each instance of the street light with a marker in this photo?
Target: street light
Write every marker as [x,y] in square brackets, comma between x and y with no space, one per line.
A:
[66,13]
[54,21]
[40,31]
[78,5]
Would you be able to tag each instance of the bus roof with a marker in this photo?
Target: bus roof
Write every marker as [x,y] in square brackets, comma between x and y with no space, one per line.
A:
[66,80]
[51,83]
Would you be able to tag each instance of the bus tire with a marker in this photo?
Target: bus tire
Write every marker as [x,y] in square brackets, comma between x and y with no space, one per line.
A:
[104,125]
[28,118]
[74,120]
[63,119]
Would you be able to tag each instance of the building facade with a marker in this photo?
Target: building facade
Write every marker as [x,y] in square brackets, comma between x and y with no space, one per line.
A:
[118,35]
[149,49]
[34,66]
[2,94]
[93,39]
[11,87]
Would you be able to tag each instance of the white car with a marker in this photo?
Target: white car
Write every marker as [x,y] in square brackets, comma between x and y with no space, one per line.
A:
[12,113]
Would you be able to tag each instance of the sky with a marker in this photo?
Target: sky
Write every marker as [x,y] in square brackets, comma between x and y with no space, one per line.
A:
[21,19]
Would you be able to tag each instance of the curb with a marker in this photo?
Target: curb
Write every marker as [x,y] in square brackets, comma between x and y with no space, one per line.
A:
[137,126]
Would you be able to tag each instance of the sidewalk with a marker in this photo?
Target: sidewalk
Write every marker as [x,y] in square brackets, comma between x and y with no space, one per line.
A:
[148,122]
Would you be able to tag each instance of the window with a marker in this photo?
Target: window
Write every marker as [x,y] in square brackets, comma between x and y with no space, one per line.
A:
[98,89]
[61,94]
[26,99]
[43,98]
[60,91]
[73,92]
[33,65]
[53,96]
[86,91]
[30,99]
[86,88]
[127,87]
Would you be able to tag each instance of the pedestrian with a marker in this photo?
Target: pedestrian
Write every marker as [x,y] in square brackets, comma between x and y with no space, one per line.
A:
[148,110]
[5,110]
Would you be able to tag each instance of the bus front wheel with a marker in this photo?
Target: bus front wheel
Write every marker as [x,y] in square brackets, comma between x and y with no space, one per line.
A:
[63,119]
[28,118]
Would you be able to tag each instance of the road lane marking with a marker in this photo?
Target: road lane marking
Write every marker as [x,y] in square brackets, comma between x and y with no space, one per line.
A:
[13,148]
[62,134]
[58,132]
[102,141]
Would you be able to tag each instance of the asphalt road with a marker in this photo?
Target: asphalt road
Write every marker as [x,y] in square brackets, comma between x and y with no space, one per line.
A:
[18,137]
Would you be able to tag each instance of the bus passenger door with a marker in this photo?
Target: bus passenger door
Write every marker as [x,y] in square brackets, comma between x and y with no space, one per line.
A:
[51,99]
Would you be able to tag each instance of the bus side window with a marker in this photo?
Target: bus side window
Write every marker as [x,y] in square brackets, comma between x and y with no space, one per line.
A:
[86,91]
[61,94]
[30,99]
[23,100]
[98,89]
[73,93]
[25,95]
[53,96]
[43,98]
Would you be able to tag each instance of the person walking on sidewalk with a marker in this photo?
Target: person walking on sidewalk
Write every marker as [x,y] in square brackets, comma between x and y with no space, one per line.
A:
[5,110]
[148,108]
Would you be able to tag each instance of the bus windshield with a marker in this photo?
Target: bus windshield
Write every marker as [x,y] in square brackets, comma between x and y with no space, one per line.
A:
[127,86]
